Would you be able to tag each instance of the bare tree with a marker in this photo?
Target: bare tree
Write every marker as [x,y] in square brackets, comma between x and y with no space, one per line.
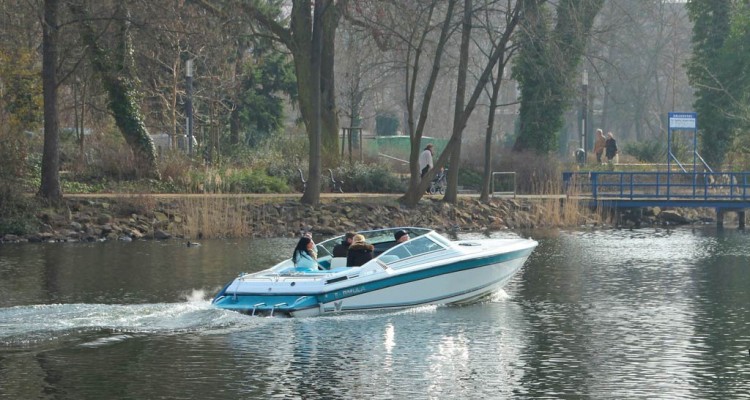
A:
[463,112]
[410,33]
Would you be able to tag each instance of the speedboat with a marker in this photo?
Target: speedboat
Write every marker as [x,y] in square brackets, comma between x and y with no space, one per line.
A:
[425,270]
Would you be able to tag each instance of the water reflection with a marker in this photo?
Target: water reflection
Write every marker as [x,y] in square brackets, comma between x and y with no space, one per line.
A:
[617,314]
[626,310]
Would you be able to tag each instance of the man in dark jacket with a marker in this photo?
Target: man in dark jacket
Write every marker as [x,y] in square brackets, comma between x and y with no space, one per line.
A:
[340,249]
[610,147]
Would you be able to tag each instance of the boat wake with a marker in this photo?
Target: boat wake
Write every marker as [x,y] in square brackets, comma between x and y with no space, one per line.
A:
[49,326]
[94,325]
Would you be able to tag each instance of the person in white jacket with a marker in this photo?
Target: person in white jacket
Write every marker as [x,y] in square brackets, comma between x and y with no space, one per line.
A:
[425,160]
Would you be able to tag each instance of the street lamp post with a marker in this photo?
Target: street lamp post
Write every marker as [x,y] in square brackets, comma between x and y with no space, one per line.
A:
[189,104]
[584,111]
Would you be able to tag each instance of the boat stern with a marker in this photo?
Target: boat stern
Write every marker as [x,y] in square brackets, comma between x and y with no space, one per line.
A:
[276,305]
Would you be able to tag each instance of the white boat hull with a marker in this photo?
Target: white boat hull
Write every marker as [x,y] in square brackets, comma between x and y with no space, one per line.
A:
[457,287]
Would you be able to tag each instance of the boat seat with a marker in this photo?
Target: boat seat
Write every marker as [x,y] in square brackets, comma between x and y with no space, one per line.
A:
[338,262]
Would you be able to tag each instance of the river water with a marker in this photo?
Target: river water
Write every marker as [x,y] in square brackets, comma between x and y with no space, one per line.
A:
[613,314]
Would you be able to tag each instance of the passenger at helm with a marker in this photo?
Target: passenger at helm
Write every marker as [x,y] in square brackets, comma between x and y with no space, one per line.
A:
[341,249]
[401,236]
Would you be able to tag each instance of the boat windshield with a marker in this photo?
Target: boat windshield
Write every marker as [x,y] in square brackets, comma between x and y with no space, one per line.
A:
[382,239]
[414,247]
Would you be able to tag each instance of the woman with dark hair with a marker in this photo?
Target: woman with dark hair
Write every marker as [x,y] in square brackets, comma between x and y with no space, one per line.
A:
[304,255]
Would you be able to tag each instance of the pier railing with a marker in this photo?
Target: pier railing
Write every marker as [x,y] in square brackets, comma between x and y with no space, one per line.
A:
[659,185]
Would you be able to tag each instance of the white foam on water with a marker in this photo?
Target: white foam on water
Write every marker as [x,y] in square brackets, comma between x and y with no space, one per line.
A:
[105,341]
[37,324]
[499,296]
[196,296]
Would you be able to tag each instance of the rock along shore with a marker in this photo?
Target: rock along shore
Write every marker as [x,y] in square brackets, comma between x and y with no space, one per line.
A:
[145,217]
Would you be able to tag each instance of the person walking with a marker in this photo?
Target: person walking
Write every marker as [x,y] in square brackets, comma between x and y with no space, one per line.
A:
[610,147]
[599,144]
[425,160]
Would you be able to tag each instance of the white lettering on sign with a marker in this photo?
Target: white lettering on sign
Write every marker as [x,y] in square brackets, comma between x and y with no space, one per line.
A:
[684,121]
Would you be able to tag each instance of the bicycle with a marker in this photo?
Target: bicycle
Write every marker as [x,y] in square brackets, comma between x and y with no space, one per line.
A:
[335,185]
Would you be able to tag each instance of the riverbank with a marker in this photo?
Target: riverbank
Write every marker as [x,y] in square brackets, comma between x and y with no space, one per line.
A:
[195,217]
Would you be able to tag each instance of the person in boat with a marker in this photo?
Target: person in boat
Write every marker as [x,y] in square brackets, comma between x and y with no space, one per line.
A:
[304,255]
[359,252]
[314,249]
[401,236]
[340,249]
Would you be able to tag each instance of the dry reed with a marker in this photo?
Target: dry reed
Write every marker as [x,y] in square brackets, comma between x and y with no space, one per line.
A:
[217,217]
[569,210]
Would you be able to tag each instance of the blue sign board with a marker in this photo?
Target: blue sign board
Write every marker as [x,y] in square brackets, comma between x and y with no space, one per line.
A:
[684,120]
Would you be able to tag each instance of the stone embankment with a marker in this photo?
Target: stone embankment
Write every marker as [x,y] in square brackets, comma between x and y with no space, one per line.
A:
[122,219]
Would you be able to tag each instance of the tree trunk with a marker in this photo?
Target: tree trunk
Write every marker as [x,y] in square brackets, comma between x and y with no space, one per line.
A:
[487,175]
[234,126]
[123,98]
[459,122]
[50,185]
[312,191]
[234,118]
[328,113]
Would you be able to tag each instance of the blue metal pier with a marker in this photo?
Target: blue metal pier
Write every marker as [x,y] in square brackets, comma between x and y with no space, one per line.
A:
[723,191]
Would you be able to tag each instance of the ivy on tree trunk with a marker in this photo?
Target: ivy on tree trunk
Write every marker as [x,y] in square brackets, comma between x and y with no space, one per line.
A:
[121,88]
[546,66]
